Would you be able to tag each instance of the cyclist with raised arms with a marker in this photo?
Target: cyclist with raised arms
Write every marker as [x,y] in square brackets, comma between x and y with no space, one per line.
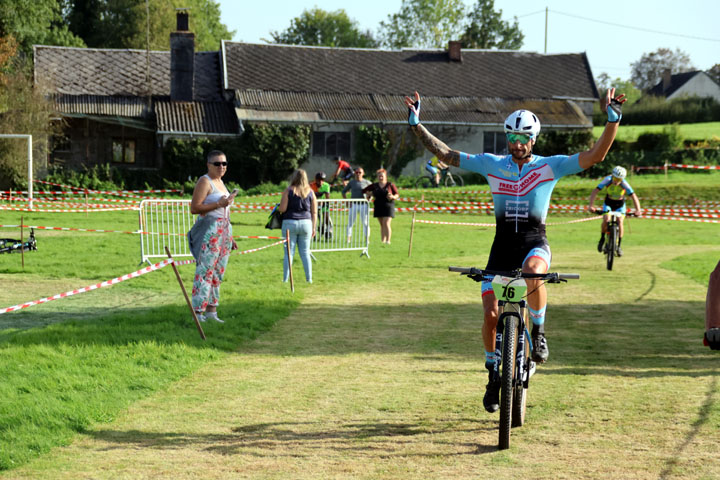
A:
[616,189]
[521,184]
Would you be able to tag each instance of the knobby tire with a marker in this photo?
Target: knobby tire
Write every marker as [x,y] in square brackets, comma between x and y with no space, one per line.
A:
[424,182]
[510,320]
[520,389]
[611,245]
[453,180]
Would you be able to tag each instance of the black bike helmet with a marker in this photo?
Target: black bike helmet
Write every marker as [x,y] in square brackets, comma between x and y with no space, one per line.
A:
[320,175]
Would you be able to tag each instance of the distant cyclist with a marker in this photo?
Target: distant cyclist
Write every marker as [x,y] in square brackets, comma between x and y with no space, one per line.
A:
[521,184]
[343,171]
[435,167]
[617,188]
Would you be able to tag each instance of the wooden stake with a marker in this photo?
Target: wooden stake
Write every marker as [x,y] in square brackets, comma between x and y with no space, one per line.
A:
[86,203]
[187,299]
[412,232]
[287,249]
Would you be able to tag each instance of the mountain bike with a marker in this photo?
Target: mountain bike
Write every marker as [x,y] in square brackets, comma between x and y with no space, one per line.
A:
[612,237]
[514,339]
[446,178]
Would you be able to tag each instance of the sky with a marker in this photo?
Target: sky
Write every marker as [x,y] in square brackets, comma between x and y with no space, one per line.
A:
[613,33]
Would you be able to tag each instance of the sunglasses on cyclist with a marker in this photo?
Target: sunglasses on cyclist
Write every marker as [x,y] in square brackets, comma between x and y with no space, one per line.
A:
[220,164]
[518,137]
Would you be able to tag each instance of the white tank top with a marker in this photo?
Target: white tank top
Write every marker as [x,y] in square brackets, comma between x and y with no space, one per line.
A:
[215,196]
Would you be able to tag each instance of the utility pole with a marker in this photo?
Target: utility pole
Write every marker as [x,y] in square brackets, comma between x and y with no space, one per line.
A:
[546,22]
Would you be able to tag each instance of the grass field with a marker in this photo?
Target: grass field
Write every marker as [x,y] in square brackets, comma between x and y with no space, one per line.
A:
[374,371]
[688,131]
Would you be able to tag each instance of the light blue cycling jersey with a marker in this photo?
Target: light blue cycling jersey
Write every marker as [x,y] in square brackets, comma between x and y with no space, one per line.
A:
[521,196]
[615,191]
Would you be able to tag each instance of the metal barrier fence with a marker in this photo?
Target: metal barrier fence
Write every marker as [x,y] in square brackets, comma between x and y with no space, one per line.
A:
[165,223]
[342,225]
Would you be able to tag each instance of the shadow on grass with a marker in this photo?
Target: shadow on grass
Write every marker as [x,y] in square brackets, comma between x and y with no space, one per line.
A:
[304,439]
[170,324]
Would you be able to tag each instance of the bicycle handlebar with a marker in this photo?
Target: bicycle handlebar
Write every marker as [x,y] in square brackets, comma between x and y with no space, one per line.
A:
[549,277]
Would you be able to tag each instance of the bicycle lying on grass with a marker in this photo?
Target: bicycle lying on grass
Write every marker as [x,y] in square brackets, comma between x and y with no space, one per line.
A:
[515,343]
[446,178]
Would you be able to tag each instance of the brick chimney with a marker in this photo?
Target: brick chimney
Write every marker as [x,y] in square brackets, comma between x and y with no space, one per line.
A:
[454,51]
[182,59]
[666,79]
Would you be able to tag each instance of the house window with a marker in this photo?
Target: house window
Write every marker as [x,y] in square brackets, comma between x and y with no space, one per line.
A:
[330,144]
[59,149]
[123,151]
[495,142]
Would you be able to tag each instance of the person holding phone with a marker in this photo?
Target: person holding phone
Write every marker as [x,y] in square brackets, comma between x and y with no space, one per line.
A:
[210,238]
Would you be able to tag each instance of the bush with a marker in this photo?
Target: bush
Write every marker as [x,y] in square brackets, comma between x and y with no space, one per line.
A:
[563,142]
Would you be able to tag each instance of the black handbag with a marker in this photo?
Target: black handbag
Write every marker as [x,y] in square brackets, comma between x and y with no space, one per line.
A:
[275,219]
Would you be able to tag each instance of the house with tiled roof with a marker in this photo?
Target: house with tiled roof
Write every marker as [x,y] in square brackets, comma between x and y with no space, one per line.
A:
[687,84]
[121,105]
[466,94]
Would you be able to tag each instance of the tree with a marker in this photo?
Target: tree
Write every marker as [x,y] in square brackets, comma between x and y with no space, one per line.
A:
[318,27]
[632,93]
[488,30]
[37,22]
[714,72]
[23,110]
[124,23]
[648,70]
[423,24]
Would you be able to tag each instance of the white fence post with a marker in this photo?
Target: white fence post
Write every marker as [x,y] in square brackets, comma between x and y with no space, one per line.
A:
[342,225]
[164,223]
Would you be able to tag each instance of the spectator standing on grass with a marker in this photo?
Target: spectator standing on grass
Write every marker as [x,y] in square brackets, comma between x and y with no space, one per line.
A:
[299,208]
[384,195]
[521,184]
[321,188]
[712,310]
[210,238]
[356,187]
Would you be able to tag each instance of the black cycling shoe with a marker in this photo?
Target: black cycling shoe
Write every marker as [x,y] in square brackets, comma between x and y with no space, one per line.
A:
[600,244]
[491,400]
[712,339]
[540,351]
[618,251]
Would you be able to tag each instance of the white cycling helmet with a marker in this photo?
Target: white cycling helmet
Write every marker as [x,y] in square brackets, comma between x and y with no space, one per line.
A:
[619,172]
[523,121]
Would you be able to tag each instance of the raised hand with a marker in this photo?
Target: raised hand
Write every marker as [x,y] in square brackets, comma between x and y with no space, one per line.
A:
[613,105]
[413,109]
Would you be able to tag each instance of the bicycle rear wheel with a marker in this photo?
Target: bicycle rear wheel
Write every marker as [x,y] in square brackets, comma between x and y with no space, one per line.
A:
[520,389]
[510,320]
[611,243]
[424,182]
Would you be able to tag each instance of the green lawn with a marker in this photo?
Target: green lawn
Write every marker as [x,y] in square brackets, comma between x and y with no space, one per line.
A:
[689,131]
[374,371]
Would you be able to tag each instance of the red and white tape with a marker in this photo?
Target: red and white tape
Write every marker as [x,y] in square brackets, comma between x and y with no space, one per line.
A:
[89,288]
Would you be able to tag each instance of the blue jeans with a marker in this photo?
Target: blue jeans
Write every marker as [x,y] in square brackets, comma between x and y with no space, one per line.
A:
[300,235]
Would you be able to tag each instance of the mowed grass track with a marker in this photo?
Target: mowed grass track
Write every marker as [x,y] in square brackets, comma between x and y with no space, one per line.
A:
[379,374]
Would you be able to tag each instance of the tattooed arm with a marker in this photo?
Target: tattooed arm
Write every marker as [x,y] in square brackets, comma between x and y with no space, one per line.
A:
[436,146]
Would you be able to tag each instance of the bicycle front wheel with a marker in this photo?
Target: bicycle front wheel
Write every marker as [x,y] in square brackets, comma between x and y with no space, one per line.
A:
[454,180]
[510,320]
[611,243]
[522,380]
[424,182]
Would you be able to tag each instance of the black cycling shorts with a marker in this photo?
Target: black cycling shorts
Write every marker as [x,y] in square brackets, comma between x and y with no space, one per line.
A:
[509,251]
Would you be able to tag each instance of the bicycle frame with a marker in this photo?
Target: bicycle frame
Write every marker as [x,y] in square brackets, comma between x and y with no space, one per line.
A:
[612,236]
